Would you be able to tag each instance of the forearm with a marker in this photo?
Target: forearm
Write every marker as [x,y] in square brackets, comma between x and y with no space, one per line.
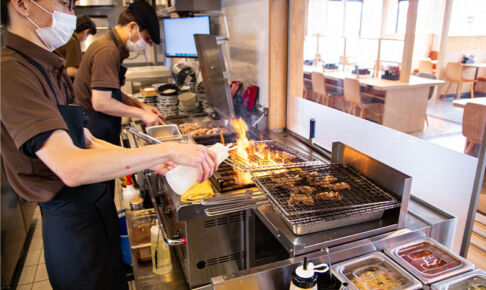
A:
[131,101]
[77,166]
[113,107]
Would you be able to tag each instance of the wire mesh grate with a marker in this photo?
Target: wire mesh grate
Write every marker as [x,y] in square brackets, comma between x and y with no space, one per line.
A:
[281,157]
[358,197]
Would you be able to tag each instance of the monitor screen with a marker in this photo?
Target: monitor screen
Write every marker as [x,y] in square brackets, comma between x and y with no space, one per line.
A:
[179,35]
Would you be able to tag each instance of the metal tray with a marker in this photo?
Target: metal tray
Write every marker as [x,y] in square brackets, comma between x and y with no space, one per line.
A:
[302,228]
[375,259]
[429,279]
[455,283]
[164,132]
[214,123]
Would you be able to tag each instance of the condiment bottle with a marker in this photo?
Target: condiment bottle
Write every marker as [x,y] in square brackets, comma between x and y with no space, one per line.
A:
[305,276]
[181,178]
[129,192]
[161,263]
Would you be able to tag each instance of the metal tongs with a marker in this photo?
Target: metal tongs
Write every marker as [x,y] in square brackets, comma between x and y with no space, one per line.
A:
[143,136]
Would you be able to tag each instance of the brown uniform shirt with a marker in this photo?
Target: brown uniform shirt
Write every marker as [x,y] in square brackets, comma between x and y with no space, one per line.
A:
[29,108]
[71,52]
[99,67]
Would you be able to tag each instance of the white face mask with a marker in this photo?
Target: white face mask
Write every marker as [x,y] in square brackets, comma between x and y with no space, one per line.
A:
[61,30]
[138,46]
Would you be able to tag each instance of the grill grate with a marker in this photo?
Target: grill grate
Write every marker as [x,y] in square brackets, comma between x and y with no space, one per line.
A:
[363,196]
[225,179]
[285,157]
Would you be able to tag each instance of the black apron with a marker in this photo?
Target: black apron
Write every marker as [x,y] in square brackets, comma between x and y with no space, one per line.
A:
[80,227]
[103,126]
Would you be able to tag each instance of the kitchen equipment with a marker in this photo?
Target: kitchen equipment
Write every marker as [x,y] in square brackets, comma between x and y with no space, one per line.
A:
[305,275]
[164,132]
[250,97]
[470,280]
[283,157]
[142,76]
[360,201]
[429,261]
[374,271]
[228,135]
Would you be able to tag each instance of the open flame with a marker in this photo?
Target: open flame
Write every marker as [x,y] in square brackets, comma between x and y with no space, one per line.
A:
[253,153]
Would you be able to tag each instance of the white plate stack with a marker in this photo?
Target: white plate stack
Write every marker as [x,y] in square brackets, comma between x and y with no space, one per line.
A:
[168,105]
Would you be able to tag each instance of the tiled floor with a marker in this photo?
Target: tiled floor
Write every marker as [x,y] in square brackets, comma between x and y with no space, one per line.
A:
[34,274]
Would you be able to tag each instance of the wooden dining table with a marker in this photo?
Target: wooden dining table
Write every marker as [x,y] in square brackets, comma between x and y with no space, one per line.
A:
[462,102]
[405,105]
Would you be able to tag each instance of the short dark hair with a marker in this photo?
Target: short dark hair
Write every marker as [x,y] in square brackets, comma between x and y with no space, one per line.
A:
[4,12]
[84,22]
[125,17]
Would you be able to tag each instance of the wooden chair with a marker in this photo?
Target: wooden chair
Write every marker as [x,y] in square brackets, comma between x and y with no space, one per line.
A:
[352,95]
[454,75]
[323,96]
[473,123]
[307,86]
[426,66]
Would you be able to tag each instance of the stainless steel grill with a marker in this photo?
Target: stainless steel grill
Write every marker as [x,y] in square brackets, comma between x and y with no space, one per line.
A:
[283,157]
[361,201]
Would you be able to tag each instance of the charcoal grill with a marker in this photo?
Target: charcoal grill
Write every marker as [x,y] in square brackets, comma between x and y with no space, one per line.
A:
[363,201]
[288,158]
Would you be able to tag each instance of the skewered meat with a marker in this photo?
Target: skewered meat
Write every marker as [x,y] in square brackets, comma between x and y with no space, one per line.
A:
[329,195]
[307,190]
[196,129]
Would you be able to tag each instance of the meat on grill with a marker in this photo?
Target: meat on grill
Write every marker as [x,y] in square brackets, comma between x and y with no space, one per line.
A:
[329,195]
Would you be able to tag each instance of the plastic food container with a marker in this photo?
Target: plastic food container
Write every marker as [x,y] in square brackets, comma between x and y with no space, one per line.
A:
[475,280]
[429,261]
[141,224]
[374,271]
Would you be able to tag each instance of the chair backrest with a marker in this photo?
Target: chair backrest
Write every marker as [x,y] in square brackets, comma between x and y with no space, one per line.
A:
[351,91]
[428,76]
[454,71]
[433,54]
[425,66]
[318,81]
[473,122]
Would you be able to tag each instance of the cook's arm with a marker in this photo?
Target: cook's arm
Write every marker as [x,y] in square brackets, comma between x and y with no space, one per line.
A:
[75,166]
[136,103]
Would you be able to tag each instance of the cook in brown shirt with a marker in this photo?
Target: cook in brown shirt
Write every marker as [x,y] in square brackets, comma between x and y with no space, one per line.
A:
[80,225]
[101,75]
[71,51]
[28,109]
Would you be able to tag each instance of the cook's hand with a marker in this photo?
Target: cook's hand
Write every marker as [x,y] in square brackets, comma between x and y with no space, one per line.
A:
[163,168]
[151,119]
[196,156]
[154,110]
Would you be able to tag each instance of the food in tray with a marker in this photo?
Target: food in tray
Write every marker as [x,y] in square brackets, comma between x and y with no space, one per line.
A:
[296,198]
[375,277]
[428,259]
[315,188]
[471,283]
[196,129]
[329,195]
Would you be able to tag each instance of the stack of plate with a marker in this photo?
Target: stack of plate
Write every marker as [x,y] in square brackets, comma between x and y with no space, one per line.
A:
[152,100]
[168,105]
[188,102]
[201,97]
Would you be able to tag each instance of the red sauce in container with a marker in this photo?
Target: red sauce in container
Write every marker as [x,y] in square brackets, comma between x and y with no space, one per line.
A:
[428,259]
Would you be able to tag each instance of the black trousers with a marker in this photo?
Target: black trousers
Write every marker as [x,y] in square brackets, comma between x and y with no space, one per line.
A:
[81,234]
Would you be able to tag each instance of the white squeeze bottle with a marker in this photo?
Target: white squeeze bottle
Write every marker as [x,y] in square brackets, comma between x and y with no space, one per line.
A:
[161,263]
[181,178]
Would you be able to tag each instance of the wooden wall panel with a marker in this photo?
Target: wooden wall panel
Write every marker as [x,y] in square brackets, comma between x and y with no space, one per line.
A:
[298,16]
[278,64]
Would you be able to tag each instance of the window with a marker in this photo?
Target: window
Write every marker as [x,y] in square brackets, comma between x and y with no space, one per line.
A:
[401,22]
[468,18]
